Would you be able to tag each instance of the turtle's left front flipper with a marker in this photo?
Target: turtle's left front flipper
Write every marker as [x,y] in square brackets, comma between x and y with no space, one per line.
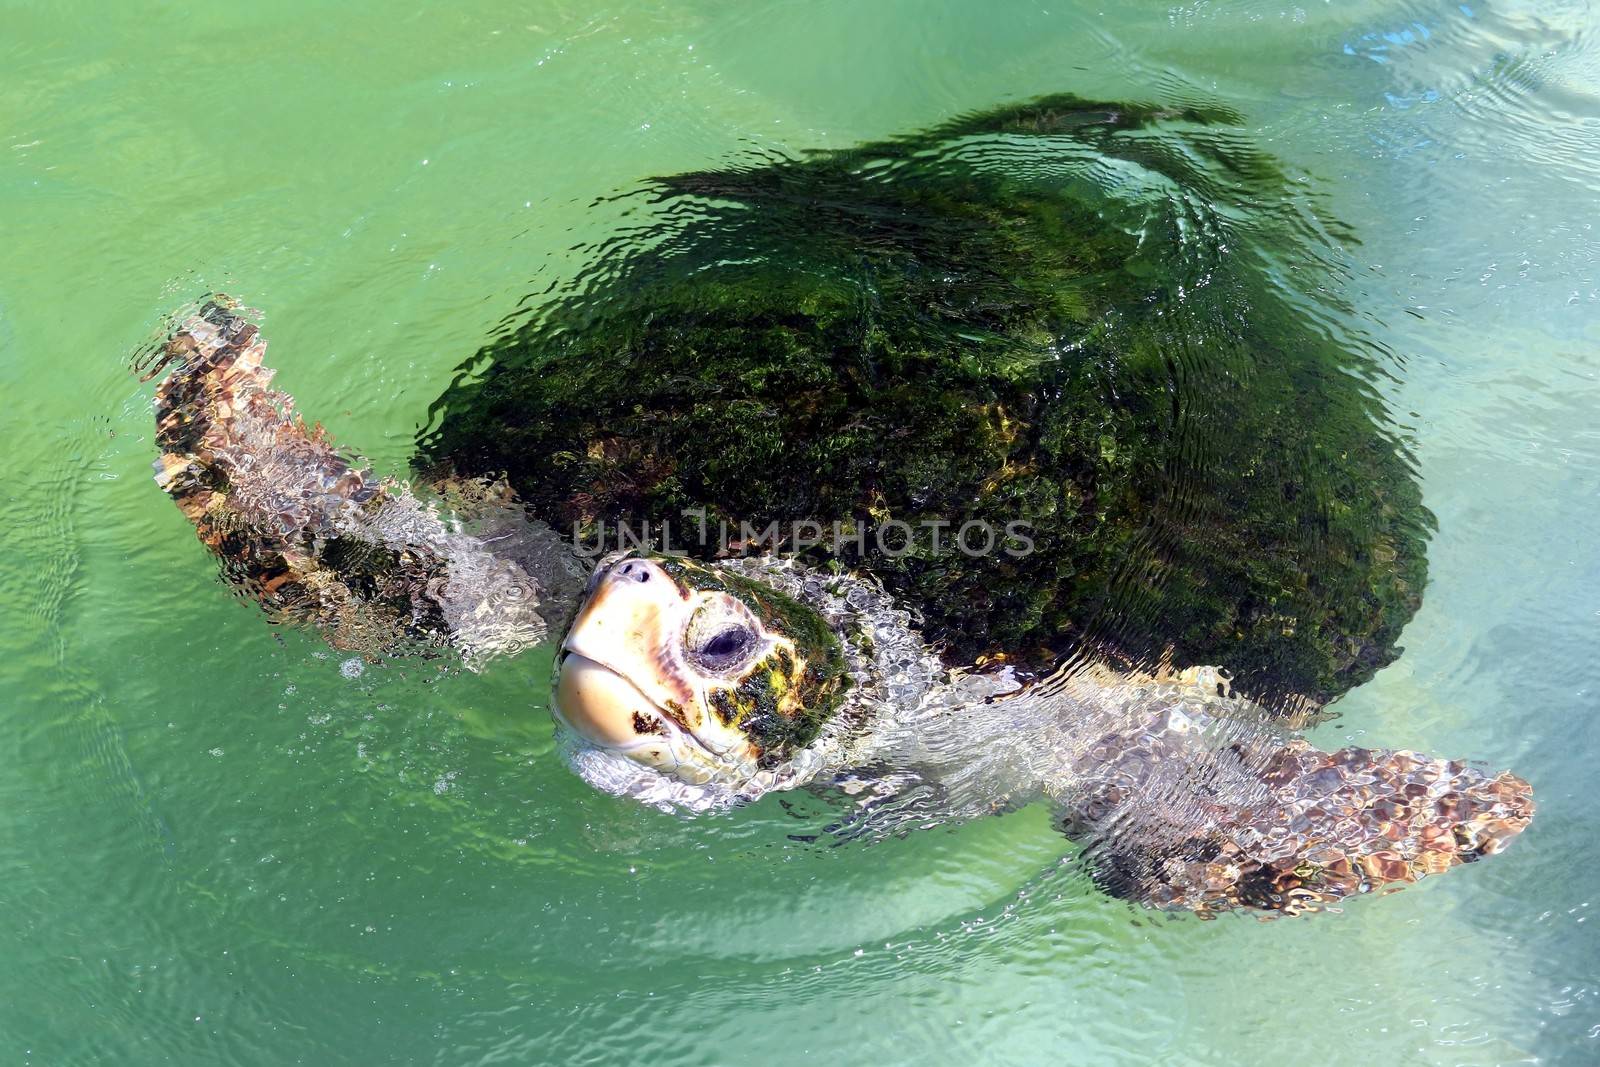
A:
[1185,808]
[316,538]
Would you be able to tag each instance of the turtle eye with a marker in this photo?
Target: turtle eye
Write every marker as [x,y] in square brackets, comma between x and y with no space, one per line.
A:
[717,643]
[727,644]
[724,650]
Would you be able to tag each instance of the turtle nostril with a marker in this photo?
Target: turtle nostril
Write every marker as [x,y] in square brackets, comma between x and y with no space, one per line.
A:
[637,571]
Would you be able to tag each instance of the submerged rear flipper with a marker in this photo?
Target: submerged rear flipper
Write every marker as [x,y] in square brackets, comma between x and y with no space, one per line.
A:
[316,538]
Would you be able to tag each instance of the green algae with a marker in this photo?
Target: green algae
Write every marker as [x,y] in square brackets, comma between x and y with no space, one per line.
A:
[968,325]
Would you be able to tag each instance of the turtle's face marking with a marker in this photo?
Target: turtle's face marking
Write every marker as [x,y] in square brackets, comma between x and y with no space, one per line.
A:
[701,674]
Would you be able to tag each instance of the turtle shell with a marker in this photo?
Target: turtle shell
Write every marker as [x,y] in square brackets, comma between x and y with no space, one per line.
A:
[1088,319]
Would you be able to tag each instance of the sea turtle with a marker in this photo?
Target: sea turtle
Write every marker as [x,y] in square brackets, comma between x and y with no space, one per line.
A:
[1045,324]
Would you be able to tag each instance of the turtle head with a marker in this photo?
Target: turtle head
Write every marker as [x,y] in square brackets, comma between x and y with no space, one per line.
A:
[700,673]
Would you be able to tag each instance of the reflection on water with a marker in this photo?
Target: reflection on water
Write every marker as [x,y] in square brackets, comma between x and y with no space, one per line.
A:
[382,868]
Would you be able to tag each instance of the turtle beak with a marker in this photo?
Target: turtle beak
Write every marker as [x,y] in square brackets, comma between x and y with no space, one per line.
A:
[623,683]
[629,625]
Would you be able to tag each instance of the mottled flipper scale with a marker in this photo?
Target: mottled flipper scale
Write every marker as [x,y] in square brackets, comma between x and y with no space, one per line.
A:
[315,538]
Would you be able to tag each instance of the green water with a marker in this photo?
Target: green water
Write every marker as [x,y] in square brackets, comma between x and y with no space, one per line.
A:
[217,848]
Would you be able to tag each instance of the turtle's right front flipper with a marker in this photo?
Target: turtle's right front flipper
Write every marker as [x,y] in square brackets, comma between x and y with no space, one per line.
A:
[315,538]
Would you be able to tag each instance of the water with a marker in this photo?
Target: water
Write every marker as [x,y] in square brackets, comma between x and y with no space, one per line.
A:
[222,844]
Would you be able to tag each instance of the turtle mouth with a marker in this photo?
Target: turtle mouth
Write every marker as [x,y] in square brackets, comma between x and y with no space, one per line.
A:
[623,686]
[609,711]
